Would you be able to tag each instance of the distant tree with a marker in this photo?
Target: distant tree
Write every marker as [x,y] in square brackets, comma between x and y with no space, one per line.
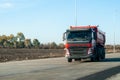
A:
[20,45]
[6,44]
[3,38]
[61,46]
[52,45]
[117,47]
[44,46]
[28,43]
[12,39]
[36,43]
[109,46]
[15,44]
[20,36]
[41,45]
[1,41]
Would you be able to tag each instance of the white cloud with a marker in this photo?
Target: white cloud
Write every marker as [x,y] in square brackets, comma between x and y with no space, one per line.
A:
[6,5]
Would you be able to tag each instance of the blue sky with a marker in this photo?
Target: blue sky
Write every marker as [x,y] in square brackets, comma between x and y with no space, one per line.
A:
[47,20]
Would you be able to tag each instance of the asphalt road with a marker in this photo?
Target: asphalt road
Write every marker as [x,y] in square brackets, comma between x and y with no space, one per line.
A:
[60,69]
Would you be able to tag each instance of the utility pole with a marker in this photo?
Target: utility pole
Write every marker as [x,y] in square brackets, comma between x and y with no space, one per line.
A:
[114,44]
[114,50]
[75,12]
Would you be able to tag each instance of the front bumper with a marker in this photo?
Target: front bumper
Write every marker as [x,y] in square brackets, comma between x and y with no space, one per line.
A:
[77,57]
[76,53]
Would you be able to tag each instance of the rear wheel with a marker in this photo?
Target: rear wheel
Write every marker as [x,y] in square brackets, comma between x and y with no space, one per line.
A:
[95,56]
[103,53]
[92,59]
[69,60]
[98,54]
[98,58]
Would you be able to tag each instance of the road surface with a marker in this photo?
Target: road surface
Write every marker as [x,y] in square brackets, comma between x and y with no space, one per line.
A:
[60,69]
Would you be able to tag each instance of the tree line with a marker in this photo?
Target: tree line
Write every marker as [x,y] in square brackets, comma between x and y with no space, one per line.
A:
[113,46]
[19,41]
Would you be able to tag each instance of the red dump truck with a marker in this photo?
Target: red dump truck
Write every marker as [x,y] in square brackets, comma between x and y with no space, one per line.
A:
[83,42]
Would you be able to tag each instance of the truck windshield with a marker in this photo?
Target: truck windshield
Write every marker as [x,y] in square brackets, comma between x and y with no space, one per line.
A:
[79,35]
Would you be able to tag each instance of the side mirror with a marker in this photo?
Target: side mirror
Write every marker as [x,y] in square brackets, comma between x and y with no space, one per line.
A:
[95,36]
[64,35]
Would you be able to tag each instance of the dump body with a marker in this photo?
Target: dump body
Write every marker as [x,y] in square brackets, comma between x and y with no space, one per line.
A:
[84,42]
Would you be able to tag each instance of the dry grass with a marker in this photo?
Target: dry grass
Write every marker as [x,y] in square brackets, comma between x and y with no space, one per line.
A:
[25,54]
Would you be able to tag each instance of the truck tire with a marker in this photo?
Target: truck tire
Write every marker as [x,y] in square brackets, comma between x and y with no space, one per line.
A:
[98,58]
[103,53]
[95,59]
[98,54]
[92,59]
[69,60]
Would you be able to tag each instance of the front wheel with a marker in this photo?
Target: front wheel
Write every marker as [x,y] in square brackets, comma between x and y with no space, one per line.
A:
[69,60]
[92,59]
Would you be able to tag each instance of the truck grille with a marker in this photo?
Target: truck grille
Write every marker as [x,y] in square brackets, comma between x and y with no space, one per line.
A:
[78,51]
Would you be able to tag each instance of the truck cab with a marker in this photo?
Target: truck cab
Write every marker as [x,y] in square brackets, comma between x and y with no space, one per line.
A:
[80,42]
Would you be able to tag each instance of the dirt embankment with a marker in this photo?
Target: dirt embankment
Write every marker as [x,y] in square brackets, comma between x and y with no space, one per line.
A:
[25,54]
